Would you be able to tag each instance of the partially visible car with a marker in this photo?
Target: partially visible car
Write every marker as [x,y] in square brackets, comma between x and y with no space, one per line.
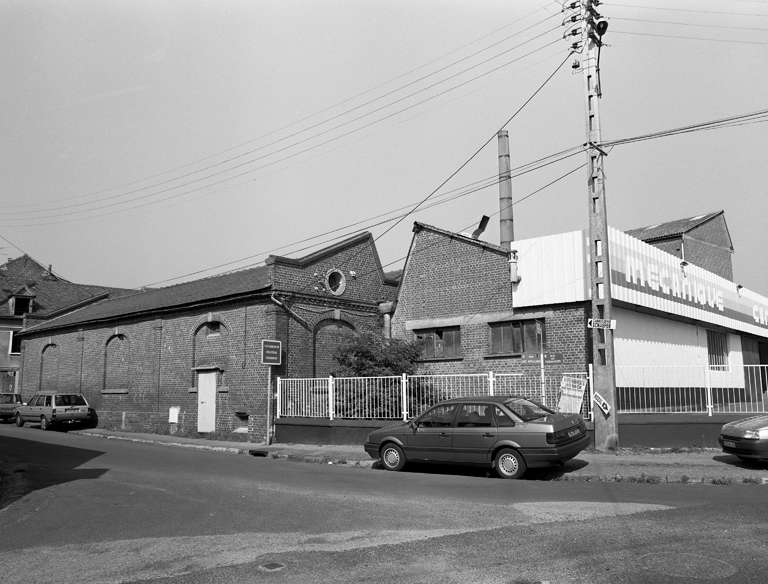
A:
[746,438]
[56,408]
[8,404]
[507,433]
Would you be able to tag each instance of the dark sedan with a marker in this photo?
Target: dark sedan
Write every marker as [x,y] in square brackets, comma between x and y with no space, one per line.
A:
[509,434]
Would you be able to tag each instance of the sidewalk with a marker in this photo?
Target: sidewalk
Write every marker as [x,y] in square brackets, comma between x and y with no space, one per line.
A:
[708,466]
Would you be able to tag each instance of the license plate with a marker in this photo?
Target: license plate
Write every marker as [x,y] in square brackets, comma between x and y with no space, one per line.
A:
[72,410]
[729,444]
[573,433]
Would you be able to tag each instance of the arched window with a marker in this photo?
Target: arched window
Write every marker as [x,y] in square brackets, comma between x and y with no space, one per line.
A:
[117,364]
[49,368]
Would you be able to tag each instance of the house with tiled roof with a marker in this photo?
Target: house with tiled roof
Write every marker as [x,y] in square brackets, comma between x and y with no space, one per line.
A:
[31,293]
[702,240]
[191,354]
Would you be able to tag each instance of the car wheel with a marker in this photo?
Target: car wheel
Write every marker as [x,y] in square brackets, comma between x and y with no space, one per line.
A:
[44,423]
[19,420]
[392,457]
[509,464]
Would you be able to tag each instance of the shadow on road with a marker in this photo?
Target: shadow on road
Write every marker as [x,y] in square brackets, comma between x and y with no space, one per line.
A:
[732,460]
[533,474]
[29,465]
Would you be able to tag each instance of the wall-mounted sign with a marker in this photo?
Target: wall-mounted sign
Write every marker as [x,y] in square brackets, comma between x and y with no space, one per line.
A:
[601,323]
[271,352]
[535,359]
[601,403]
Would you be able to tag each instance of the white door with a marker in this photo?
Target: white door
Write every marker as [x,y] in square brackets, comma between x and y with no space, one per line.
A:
[206,402]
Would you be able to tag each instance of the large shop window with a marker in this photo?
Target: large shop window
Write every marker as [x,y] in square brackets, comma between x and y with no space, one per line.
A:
[441,343]
[519,336]
[717,349]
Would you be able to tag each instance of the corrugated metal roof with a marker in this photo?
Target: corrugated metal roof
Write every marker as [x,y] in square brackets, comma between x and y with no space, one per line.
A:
[671,228]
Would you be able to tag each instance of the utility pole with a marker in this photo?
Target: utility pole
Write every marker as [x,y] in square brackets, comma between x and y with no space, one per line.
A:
[591,27]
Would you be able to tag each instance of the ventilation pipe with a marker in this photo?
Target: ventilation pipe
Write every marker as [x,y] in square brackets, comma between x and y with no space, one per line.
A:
[506,223]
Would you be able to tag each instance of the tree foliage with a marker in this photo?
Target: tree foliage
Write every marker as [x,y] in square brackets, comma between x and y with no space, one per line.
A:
[367,354]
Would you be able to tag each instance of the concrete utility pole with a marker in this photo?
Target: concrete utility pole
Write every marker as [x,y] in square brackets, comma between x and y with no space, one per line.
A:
[593,27]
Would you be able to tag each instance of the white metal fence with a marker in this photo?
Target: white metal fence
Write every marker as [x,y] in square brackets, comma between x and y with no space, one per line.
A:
[405,396]
[707,389]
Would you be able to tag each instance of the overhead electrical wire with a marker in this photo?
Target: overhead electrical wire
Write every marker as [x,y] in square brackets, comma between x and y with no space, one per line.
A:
[119,195]
[726,13]
[691,24]
[252,170]
[310,116]
[670,36]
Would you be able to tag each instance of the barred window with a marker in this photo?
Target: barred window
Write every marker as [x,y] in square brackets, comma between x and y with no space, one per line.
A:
[519,336]
[717,350]
[441,343]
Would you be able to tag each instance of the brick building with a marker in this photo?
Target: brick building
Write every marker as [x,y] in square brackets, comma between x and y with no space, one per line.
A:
[31,293]
[197,346]
[674,307]
[703,240]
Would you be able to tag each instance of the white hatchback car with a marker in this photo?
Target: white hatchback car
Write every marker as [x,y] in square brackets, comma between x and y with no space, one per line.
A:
[56,408]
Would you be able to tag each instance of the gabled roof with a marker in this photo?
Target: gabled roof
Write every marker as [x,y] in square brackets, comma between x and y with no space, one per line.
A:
[209,290]
[25,276]
[417,226]
[160,299]
[671,228]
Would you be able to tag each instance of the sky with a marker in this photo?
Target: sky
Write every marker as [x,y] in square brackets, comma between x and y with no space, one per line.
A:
[147,143]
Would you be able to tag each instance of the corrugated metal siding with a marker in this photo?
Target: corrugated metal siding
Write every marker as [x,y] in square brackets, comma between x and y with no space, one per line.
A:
[553,270]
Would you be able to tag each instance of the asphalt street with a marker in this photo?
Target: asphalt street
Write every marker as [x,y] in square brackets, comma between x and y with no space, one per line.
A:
[89,509]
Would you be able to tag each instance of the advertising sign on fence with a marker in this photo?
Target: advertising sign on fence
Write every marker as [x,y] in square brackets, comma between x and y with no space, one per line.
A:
[571,394]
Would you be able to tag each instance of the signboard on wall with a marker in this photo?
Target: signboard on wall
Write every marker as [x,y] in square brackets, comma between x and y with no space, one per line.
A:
[271,352]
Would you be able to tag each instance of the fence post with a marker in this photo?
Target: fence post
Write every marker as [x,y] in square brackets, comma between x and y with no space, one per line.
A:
[592,395]
[490,382]
[709,390]
[404,386]
[330,397]
[279,400]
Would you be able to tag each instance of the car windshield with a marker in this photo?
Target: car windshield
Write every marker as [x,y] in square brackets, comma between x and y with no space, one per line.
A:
[70,400]
[10,399]
[527,410]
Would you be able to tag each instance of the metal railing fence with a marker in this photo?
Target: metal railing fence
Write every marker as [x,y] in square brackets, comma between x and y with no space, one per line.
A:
[692,389]
[405,396]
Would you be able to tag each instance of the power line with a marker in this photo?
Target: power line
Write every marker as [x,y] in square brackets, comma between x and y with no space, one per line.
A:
[692,24]
[669,36]
[309,148]
[321,122]
[689,10]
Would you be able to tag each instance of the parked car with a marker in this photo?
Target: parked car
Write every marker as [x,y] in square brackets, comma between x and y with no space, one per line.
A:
[747,438]
[8,404]
[509,434]
[56,408]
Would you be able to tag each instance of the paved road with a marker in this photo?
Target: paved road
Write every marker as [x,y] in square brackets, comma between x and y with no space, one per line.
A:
[101,511]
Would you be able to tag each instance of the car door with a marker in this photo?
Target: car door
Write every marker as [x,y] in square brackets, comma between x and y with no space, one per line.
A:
[28,411]
[430,435]
[475,433]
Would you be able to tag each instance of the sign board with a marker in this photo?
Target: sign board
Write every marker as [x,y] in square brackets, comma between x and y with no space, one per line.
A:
[601,323]
[271,352]
[601,403]
[535,359]
[571,394]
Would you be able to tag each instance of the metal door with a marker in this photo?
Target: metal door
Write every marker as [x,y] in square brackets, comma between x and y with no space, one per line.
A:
[430,436]
[475,434]
[206,401]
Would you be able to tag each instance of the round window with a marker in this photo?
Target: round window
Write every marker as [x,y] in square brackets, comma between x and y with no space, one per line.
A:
[335,282]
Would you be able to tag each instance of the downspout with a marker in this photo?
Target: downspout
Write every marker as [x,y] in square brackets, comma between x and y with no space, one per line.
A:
[289,311]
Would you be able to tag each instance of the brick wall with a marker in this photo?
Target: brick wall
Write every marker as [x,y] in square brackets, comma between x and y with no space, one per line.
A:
[712,258]
[450,277]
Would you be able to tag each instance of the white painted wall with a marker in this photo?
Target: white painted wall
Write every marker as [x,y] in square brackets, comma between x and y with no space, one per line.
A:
[651,351]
